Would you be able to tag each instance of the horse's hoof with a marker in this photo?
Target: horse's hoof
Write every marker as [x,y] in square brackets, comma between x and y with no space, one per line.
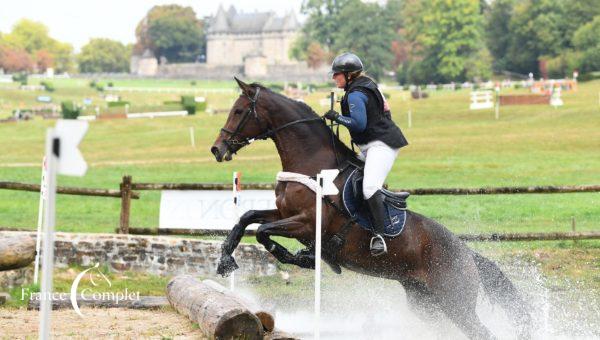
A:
[304,260]
[226,265]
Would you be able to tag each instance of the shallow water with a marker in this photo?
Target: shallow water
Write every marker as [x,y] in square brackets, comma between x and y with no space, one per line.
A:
[361,307]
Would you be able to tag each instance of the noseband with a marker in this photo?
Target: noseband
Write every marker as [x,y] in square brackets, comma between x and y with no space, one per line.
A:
[233,141]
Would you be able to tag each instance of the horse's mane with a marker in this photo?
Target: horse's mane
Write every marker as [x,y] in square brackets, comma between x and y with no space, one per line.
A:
[341,147]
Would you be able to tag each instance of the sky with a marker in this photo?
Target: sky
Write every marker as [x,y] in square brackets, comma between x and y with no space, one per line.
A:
[76,21]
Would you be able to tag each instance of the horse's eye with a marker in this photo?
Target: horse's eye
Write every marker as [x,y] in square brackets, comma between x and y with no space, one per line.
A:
[238,111]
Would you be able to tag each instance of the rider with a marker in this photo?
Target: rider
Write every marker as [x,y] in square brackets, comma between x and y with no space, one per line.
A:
[366,114]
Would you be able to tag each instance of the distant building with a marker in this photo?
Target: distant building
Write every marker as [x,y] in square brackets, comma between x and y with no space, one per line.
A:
[254,45]
[143,65]
[231,37]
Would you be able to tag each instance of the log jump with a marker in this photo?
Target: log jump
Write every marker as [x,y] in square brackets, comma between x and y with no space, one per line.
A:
[220,313]
[16,252]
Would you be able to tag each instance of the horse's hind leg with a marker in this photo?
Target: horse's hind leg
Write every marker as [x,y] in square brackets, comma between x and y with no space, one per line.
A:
[227,263]
[421,302]
[460,307]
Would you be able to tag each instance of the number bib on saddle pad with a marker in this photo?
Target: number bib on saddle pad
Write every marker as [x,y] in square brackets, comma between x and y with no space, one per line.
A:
[356,205]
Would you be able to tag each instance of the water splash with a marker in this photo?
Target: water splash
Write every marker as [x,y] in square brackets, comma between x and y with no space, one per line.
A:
[361,307]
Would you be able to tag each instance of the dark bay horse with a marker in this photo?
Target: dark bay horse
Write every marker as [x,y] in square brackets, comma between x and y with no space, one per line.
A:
[438,271]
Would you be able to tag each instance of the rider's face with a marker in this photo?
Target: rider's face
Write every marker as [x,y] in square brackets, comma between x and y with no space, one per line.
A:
[339,79]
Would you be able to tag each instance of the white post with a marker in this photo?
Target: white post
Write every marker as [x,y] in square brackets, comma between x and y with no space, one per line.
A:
[192,139]
[237,187]
[38,239]
[497,110]
[52,146]
[319,212]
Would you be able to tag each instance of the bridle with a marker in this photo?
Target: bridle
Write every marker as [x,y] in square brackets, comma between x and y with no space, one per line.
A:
[233,141]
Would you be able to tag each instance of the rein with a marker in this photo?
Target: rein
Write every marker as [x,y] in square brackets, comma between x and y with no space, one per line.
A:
[230,142]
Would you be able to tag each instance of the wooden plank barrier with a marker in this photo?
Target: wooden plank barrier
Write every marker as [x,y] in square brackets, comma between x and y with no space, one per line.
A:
[528,99]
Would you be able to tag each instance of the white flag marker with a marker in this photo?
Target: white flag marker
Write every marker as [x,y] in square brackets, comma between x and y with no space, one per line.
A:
[325,186]
[63,157]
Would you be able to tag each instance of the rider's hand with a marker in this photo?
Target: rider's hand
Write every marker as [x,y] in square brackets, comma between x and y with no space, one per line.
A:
[331,115]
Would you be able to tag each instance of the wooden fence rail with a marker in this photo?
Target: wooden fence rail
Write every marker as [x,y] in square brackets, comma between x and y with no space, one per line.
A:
[66,190]
[417,191]
[127,186]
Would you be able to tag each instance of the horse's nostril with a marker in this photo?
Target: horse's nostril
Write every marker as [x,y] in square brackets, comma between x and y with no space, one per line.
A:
[215,151]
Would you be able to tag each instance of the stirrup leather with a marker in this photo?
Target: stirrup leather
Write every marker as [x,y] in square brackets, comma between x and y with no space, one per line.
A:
[384,251]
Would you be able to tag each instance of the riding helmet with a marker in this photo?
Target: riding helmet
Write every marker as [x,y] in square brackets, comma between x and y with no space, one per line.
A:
[346,62]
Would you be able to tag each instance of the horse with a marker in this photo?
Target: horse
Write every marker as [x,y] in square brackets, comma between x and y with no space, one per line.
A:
[439,273]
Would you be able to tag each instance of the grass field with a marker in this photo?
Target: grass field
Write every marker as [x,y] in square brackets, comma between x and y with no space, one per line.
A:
[450,146]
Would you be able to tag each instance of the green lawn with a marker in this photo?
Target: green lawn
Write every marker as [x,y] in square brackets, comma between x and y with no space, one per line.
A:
[450,146]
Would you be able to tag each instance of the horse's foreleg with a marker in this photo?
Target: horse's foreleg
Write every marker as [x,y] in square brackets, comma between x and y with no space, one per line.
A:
[293,227]
[227,263]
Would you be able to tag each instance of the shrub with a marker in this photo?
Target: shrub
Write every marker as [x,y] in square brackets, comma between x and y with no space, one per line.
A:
[119,103]
[20,77]
[189,104]
[93,84]
[70,110]
[48,86]
[193,83]
[110,84]
[201,106]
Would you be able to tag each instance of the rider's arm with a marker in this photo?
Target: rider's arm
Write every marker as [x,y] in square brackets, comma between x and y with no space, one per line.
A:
[357,121]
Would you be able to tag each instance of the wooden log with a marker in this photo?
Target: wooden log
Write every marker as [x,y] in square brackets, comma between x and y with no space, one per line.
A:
[265,317]
[64,302]
[66,190]
[219,316]
[16,252]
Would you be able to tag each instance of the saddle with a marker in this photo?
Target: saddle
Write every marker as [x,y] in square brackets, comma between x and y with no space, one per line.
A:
[356,206]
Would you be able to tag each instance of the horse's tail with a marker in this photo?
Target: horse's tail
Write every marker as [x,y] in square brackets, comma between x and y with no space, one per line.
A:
[501,291]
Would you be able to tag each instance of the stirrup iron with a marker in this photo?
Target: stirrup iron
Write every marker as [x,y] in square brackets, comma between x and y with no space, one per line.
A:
[379,252]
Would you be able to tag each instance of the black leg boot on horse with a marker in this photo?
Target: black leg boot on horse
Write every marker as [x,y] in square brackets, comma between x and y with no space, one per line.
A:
[378,211]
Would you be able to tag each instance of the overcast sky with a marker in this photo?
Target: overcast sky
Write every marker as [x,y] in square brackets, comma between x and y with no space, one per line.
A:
[76,21]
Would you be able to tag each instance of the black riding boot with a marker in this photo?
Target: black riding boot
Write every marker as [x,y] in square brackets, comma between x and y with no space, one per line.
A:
[378,212]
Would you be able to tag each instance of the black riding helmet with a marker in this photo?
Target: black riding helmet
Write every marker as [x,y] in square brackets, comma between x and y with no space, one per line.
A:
[346,62]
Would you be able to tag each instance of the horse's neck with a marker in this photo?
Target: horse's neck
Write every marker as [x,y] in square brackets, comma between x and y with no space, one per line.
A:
[305,147]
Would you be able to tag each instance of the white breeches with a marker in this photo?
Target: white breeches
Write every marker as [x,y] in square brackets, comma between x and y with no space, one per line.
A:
[379,159]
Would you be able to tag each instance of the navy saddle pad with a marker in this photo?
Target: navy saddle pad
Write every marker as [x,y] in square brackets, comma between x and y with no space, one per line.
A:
[356,205]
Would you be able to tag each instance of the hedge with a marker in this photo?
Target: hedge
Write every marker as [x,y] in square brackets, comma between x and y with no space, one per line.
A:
[70,110]
[119,103]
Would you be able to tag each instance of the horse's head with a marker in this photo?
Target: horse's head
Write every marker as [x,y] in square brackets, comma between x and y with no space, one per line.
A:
[245,122]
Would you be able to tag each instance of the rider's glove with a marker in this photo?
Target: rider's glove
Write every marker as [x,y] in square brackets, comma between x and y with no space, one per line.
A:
[331,115]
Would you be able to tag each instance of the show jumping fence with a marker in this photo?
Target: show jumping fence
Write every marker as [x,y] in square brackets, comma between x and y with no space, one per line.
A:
[128,191]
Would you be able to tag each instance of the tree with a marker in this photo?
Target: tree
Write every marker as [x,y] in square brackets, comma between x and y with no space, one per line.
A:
[367,33]
[587,40]
[171,31]
[325,20]
[32,37]
[15,60]
[43,60]
[498,32]
[536,31]
[104,55]
[316,55]
[446,36]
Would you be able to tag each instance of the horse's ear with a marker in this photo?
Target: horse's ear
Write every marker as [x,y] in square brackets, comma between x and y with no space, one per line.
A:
[243,86]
